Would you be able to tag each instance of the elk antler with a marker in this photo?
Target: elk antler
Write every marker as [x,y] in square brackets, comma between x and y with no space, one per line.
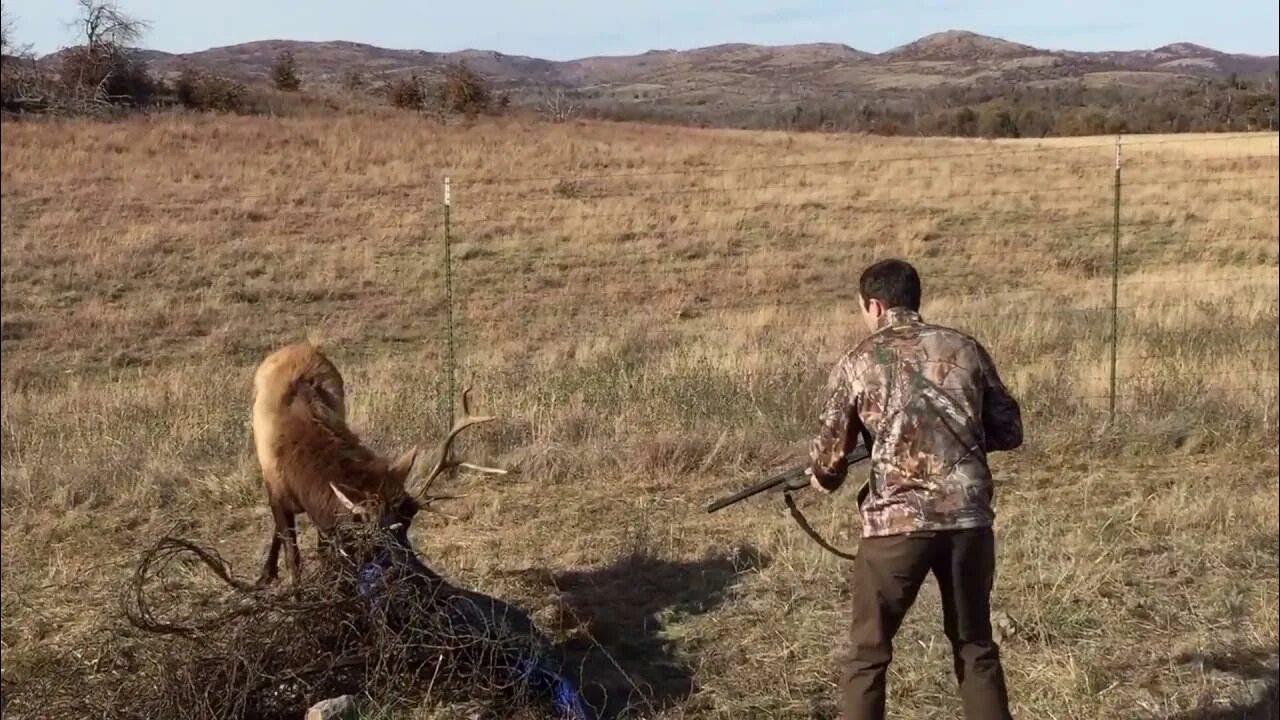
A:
[342,498]
[444,462]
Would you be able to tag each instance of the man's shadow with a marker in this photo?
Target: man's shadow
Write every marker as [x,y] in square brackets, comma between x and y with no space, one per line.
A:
[1257,668]
[619,619]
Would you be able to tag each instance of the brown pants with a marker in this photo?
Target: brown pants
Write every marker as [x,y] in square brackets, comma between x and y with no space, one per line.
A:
[887,574]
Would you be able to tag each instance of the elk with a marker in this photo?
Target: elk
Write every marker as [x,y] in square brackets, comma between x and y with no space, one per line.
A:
[313,463]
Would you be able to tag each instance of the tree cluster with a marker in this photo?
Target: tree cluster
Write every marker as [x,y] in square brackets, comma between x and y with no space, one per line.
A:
[459,90]
[1002,109]
[102,74]
[203,91]
[105,73]
[284,73]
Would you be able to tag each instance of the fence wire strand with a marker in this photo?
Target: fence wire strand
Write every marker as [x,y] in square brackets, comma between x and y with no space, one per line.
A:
[648,261]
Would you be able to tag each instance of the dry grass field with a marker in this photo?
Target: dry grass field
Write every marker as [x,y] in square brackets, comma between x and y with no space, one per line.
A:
[651,312]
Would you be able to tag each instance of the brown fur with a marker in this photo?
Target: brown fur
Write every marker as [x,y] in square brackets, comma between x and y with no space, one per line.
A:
[304,446]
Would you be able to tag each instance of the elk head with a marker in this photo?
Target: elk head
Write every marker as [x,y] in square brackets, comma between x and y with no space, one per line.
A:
[394,507]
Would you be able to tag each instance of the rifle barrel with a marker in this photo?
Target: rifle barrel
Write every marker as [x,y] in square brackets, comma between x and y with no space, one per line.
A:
[855,456]
[757,488]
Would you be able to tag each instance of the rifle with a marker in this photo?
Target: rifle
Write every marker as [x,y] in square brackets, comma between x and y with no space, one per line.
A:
[792,479]
[796,479]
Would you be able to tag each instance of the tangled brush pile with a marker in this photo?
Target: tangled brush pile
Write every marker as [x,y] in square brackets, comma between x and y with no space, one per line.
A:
[369,620]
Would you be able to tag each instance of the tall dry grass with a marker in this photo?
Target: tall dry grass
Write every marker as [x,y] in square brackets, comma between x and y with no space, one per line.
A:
[652,311]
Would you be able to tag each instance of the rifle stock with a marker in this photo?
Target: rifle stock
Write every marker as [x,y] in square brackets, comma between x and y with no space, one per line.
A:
[791,479]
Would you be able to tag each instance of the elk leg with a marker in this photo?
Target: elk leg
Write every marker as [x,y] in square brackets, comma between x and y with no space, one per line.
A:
[294,557]
[281,521]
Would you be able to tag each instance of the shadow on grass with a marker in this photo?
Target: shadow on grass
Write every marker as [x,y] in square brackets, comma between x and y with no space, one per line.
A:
[1257,667]
[630,659]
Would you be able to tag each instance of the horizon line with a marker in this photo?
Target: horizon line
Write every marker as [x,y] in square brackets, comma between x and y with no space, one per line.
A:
[683,49]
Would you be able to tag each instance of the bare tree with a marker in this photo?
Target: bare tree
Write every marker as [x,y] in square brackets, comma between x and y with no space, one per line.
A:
[103,27]
[559,107]
[6,30]
[103,65]
[9,48]
[22,87]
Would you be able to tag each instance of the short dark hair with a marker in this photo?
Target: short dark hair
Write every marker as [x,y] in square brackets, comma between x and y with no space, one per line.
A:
[895,283]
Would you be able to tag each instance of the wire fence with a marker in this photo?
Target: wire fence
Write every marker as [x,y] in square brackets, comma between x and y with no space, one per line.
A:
[1124,278]
[1133,277]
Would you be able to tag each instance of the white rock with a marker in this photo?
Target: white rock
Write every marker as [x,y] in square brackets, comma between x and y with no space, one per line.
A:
[339,708]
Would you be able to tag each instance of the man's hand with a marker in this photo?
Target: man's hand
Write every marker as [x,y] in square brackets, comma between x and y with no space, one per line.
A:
[813,482]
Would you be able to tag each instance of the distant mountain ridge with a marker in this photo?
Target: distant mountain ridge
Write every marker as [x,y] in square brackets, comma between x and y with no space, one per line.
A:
[740,83]
[962,50]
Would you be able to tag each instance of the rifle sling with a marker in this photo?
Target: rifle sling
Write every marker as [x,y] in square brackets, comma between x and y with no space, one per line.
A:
[813,534]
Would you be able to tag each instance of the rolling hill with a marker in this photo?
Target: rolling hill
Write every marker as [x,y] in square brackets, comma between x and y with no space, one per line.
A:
[946,57]
[732,81]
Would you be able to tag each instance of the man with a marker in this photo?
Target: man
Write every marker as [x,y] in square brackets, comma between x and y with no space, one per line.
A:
[930,402]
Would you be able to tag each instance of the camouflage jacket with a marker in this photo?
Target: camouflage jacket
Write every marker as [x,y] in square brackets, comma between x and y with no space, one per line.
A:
[931,401]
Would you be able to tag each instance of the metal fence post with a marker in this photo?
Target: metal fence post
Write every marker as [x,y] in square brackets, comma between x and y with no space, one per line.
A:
[450,363]
[1115,289]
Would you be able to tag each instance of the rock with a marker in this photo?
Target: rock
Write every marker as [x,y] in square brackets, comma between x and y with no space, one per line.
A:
[1260,693]
[1003,627]
[339,708]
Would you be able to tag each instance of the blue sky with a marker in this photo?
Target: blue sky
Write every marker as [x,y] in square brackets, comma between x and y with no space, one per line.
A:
[578,28]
